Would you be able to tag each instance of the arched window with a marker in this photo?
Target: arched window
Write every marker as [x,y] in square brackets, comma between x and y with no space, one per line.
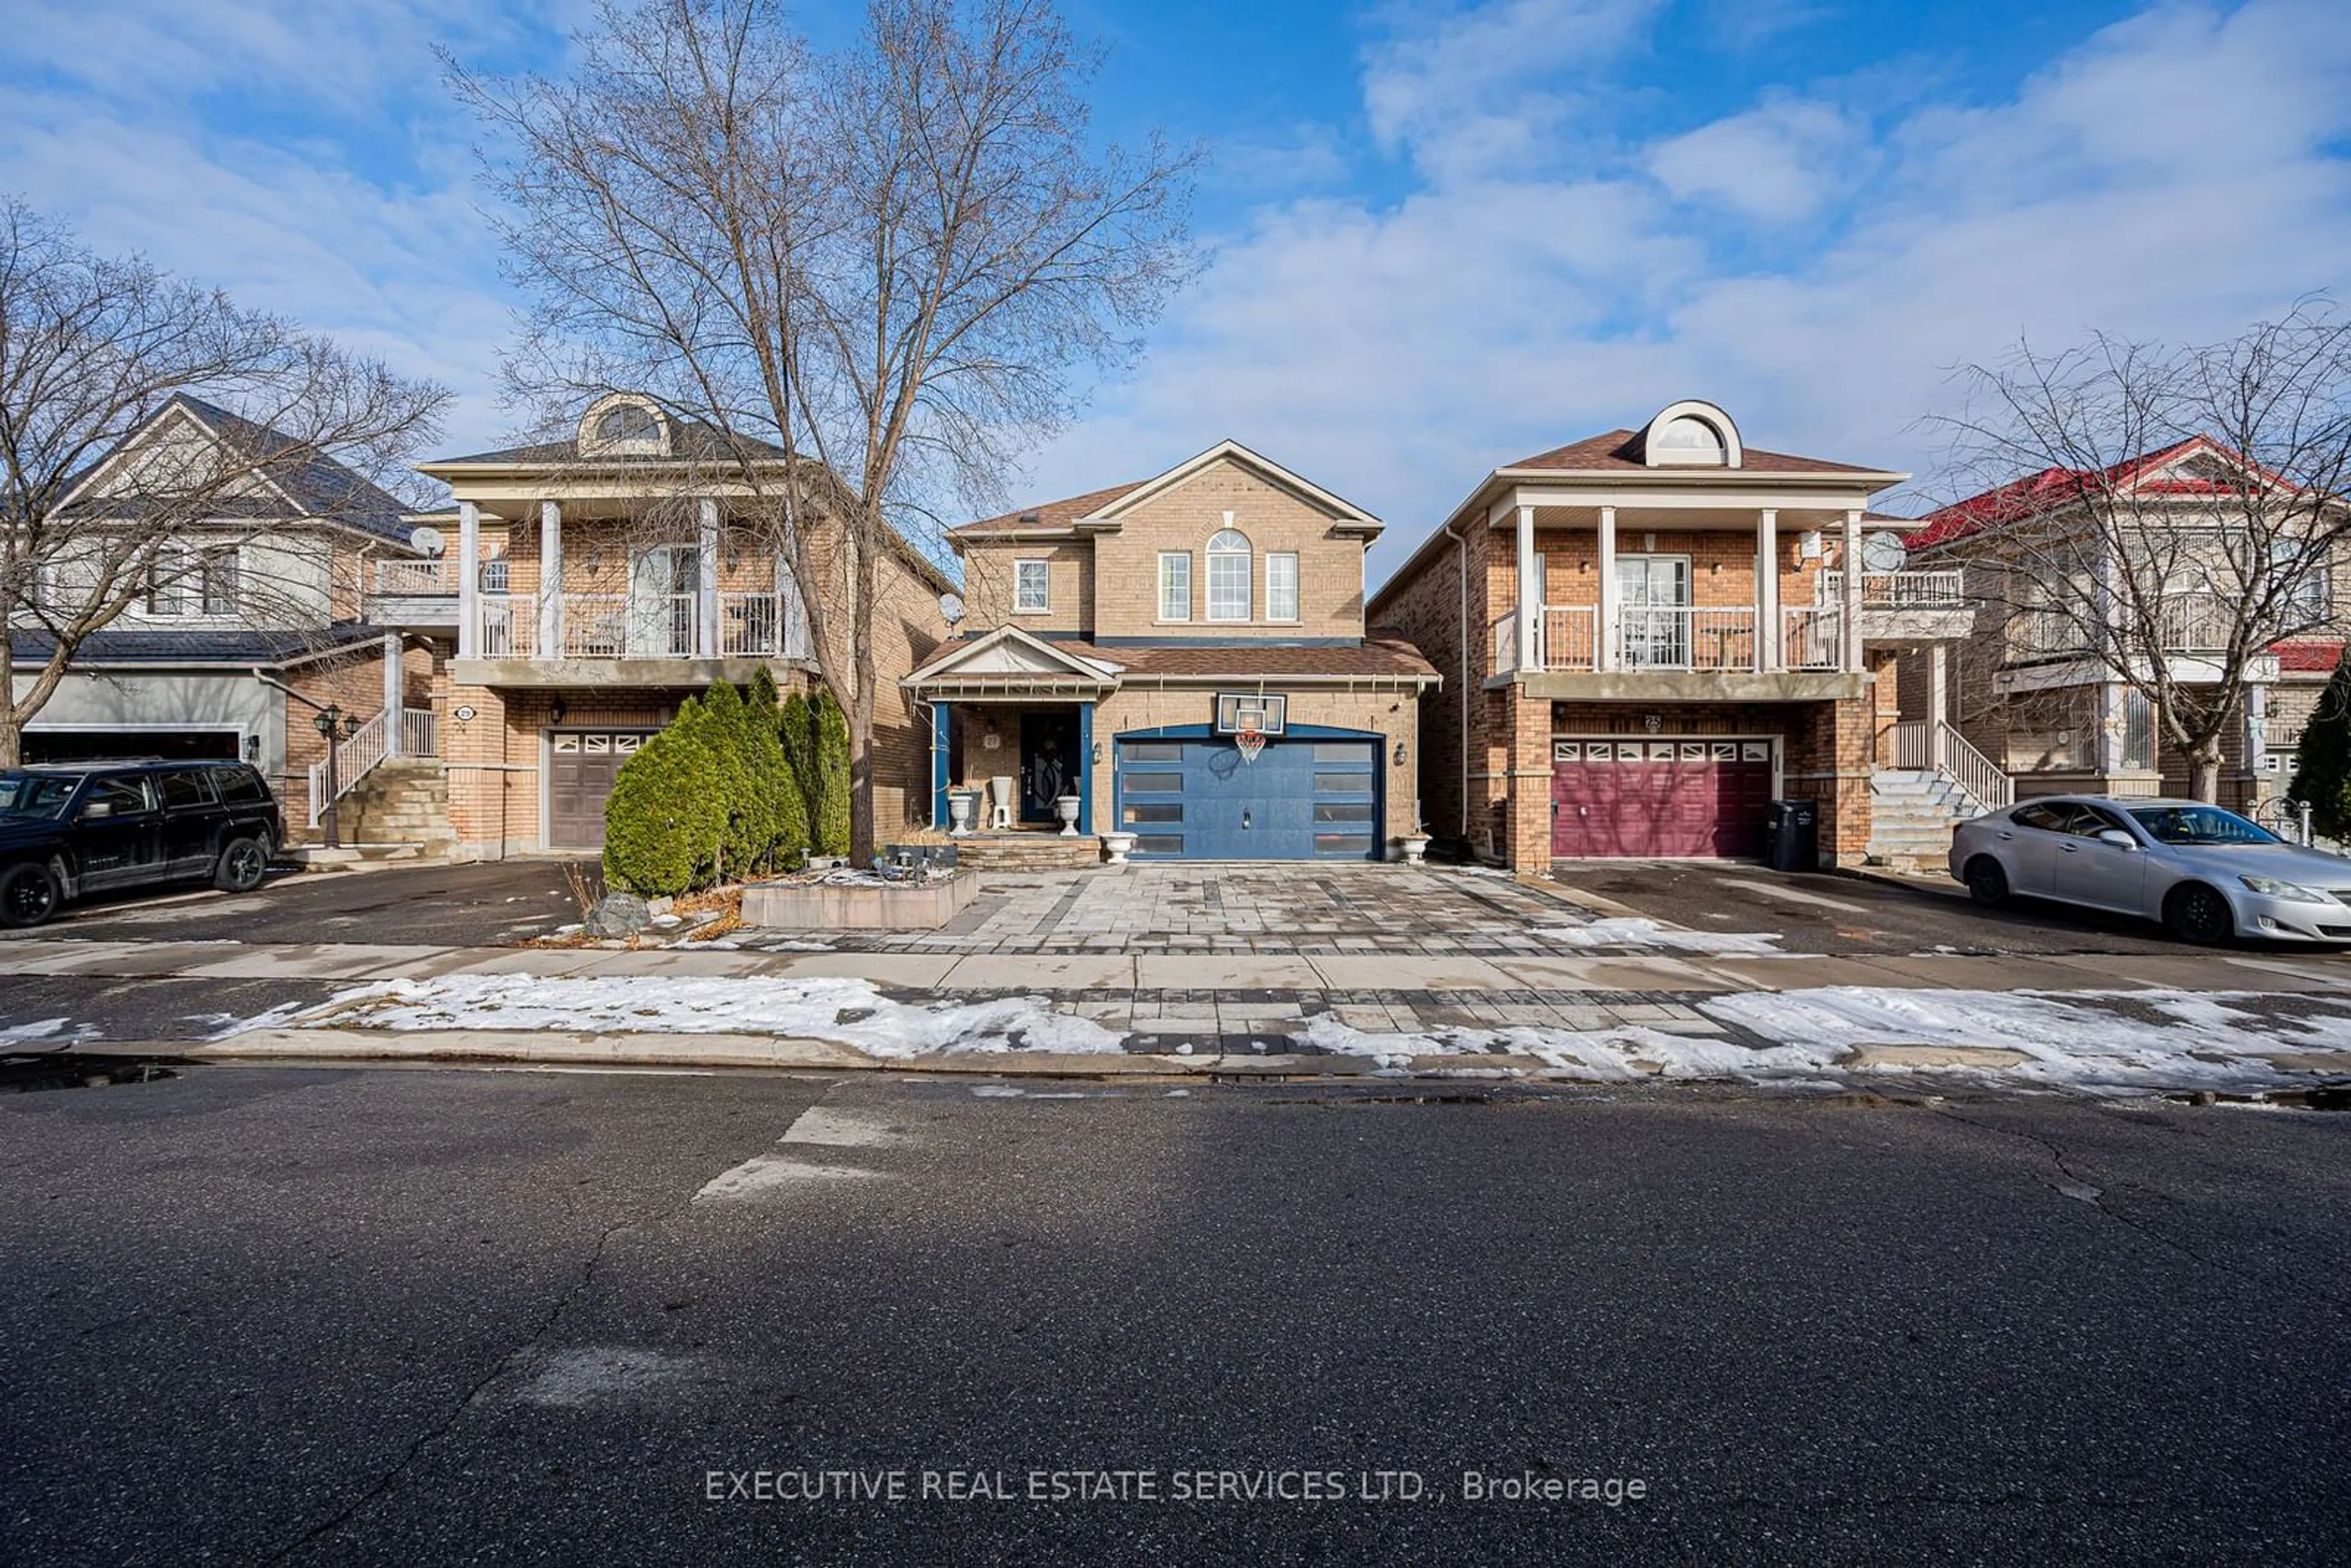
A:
[628,422]
[1688,439]
[1228,575]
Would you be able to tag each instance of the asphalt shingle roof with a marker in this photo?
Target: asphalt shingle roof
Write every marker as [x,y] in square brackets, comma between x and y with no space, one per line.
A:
[1622,449]
[144,645]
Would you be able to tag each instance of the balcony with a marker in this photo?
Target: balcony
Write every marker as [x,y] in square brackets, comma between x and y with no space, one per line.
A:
[1905,608]
[1680,652]
[414,592]
[630,639]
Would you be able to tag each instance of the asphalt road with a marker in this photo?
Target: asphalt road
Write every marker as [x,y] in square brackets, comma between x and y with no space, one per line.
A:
[267,1315]
[490,905]
[1829,913]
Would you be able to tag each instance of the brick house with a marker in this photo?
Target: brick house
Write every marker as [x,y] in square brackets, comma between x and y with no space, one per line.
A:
[249,619]
[1115,643]
[1650,634]
[2170,574]
[617,572]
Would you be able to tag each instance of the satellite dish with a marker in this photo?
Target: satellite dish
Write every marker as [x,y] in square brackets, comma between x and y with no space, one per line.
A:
[1884,551]
[951,607]
[426,539]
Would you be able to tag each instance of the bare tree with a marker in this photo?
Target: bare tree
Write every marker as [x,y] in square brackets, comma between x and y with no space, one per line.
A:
[872,272]
[95,349]
[2166,514]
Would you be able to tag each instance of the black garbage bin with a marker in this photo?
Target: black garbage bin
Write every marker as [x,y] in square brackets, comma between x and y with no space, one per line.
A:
[1792,836]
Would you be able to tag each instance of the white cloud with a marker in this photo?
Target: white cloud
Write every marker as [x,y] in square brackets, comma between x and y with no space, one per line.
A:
[1777,164]
[2177,175]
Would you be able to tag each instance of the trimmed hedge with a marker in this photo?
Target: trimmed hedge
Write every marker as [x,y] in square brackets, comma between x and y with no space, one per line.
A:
[2322,762]
[709,797]
[815,736]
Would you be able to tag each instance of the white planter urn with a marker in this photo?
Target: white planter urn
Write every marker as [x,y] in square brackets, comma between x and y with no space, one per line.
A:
[1416,848]
[1066,808]
[1117,847]
[961,805]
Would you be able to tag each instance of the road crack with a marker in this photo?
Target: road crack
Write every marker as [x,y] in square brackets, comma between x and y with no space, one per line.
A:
[2080,1187]
[505,1363]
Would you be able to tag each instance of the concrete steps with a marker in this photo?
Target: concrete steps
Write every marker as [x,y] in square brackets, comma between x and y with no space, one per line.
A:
[1028,852]
[1911,813]
[402,804]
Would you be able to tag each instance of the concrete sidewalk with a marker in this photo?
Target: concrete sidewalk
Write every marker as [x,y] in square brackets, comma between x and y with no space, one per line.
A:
[1112,974]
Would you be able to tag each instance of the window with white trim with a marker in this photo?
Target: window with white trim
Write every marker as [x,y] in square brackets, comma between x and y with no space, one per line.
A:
[1281,585]
[1228,575]
[1032,586]
[193,582]
[1176,585]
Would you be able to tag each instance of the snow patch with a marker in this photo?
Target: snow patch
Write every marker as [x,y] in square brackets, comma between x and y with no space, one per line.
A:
[840,1008]
[47,1031]
[1637,931]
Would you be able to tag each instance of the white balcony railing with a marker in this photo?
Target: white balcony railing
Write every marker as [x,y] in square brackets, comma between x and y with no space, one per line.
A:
[1812,638]
[1685,637]
[1571,636]
[1941,589]
[758,625]
[435,579]
[507,626]
[2194,622]
[420,733]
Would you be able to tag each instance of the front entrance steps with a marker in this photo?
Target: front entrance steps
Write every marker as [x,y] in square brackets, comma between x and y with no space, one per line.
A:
[1911,813]
[402,803]
[1038,851]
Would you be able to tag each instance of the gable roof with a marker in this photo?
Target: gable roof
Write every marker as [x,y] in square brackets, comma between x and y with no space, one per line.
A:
[1105,505]
[1010,654]
[312,486]
[2052,489]
[692,440]
[1621,450]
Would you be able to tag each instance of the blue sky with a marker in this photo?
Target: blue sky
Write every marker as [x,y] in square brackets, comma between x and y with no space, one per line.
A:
[1444,234]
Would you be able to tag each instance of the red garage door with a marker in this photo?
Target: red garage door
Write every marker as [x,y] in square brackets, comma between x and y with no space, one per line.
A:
[1658,797]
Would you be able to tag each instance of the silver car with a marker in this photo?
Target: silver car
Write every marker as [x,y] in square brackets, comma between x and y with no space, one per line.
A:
[2208,874]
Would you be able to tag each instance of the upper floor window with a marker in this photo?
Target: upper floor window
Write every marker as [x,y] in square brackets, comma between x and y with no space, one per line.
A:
[629,421]
[193,582]
[1228,575]
[2300,574]
[1689,439]
[1176,585]
[1281,585]
[494,574]
[1032,588]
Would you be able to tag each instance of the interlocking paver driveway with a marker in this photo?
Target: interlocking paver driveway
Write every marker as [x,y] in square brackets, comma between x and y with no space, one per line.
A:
[1285,907]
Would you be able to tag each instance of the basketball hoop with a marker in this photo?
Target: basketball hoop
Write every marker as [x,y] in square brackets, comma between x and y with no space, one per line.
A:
[1250,742]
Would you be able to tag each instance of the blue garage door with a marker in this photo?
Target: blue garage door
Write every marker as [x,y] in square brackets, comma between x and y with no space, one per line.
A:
[1301,799]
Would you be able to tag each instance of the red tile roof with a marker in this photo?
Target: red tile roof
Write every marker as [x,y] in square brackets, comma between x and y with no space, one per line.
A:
[1052,514]
[2051,489]
[1622,449]
[2308,657]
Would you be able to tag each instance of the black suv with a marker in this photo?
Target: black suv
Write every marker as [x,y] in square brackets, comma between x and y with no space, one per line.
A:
[69,830]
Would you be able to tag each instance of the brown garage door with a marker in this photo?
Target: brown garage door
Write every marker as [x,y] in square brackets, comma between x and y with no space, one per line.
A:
[1658,797]
[581,766]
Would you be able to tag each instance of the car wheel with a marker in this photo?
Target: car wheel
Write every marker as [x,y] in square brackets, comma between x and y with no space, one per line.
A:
[241,863]
[28,894]
[2197,914]
[1987,882]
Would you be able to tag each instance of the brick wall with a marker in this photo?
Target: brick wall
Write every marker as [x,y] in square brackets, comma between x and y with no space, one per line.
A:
[989,571]
[1427,612]
[1126,563]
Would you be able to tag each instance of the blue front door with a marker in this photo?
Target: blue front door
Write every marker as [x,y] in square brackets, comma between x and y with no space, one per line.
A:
[1301,799]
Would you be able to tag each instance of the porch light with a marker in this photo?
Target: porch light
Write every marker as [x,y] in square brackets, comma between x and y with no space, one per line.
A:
[1096,755]
[1399,754]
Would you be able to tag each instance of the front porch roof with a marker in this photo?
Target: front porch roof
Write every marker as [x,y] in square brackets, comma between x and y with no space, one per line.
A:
[1011,663]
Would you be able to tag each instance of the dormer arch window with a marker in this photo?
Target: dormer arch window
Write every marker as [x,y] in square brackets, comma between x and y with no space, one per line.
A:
[623,424]
[1691,435]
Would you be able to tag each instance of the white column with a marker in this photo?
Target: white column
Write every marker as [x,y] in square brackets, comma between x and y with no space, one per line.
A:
[1766,589]
[2110,728]
[705,577]
[1605,628]
[550,581]
[1530,594]
[2257,731]
[1851,563]
[469,578]
[392,695]
[1938,702]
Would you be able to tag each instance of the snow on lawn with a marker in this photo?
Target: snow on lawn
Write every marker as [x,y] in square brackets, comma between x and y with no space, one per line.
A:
[849,1011]
[2076,1037]
[1636,931]
[2072,1041]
